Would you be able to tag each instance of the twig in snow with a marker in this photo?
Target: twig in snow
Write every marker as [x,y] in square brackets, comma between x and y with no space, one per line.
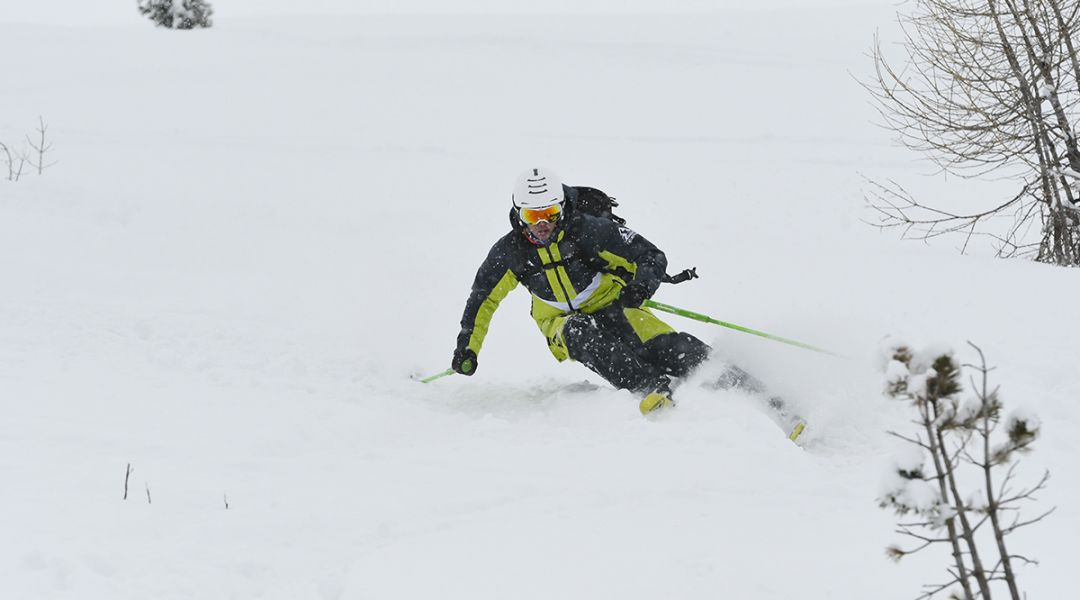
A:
[127,476]
[41,147]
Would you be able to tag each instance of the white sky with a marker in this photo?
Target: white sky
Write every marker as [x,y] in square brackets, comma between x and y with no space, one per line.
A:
[120,12]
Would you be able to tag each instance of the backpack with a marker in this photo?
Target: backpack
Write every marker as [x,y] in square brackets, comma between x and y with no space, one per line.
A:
[591,201]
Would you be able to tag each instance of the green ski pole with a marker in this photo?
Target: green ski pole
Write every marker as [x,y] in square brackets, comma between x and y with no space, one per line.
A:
[707,319]
[437,376]
[468,367]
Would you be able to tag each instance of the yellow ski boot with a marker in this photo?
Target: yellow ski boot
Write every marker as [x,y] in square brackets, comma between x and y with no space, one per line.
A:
[655,401]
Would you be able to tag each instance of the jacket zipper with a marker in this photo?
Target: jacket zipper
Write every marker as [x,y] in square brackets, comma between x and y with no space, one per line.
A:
[569,301]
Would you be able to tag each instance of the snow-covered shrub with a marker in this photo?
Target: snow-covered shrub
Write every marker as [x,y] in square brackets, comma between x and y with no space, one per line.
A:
[961,441]
[178,14]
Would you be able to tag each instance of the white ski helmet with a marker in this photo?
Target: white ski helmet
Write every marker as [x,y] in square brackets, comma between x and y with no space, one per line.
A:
[537,188]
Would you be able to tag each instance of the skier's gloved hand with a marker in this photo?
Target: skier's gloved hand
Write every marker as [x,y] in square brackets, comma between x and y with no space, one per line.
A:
[634,294]
[464,361]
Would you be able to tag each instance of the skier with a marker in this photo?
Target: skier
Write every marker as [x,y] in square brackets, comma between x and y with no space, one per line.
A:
[588,276]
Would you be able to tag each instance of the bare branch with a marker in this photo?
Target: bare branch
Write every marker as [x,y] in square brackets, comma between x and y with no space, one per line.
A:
[910,440]
[970,95]
[127,476]
[1019,524]
[41,147]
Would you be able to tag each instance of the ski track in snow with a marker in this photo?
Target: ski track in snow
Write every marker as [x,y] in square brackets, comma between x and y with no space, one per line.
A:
[256,235]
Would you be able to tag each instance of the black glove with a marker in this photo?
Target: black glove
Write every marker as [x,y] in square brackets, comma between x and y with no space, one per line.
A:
[634,294]
[464,361]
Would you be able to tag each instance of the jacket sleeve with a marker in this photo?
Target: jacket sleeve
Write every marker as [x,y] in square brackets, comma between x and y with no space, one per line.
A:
[624,248]
[494,280]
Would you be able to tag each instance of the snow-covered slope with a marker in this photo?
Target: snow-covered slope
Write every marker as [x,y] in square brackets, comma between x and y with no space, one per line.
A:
[256,234]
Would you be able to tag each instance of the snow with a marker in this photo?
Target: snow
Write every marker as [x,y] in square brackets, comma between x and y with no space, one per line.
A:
[908,458]
[923,359]
[969,408]
[916,383]
[907,492]
[948,412]
[1023,415]
[255,234]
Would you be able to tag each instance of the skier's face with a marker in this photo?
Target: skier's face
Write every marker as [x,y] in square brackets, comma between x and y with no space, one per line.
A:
[541,221]
[542,230]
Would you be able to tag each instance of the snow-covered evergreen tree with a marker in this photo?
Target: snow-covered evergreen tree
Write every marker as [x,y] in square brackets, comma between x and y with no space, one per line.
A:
[955,436]
[178,14]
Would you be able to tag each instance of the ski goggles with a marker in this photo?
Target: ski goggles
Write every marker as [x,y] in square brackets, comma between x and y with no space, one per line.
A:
[532,216]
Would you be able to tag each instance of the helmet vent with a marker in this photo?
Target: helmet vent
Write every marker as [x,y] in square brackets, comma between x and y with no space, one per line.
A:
[538,188]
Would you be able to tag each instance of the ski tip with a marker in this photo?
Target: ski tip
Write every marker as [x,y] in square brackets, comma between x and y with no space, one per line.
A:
[797,431]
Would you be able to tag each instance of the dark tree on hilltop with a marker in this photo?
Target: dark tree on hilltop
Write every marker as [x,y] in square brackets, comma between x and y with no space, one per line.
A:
[178,14]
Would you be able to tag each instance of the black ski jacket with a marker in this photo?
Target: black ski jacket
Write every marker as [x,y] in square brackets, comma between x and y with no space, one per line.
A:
[582,269]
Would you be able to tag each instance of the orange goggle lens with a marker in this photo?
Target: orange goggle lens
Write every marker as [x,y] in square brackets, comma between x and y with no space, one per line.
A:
[532,216]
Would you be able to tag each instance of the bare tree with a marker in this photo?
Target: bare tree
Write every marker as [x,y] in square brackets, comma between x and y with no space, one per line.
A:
[1001,498]
[41,146]
[959,437]
[14,163]
[989,88]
